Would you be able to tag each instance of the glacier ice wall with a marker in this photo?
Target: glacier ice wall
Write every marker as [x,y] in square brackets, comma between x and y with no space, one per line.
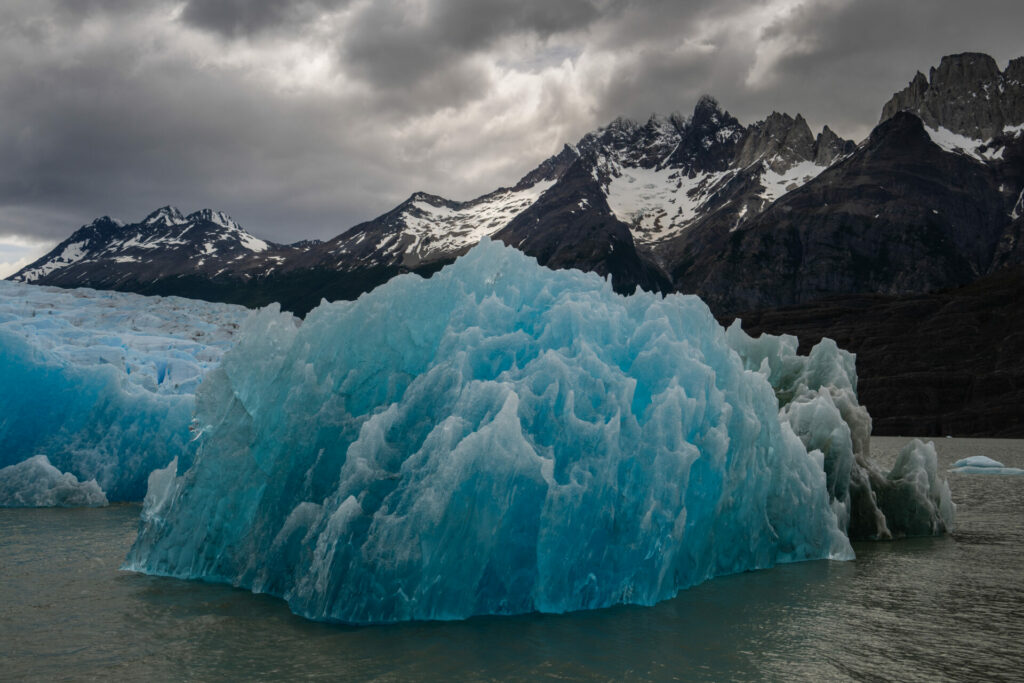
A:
[103,383]
[500,438]
[817,396]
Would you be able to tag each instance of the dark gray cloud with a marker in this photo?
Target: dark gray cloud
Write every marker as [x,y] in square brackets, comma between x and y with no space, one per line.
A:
[236,18]
[304,118]
[392,47]
[837,62]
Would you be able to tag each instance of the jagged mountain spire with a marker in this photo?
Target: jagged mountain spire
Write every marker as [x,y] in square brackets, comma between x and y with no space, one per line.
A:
[966,94]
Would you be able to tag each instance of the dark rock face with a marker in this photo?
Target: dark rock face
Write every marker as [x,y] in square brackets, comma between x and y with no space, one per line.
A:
[950,362]
[780,139]
[899,216]
[966,94]
[828,147]
[709,142]
[571,226]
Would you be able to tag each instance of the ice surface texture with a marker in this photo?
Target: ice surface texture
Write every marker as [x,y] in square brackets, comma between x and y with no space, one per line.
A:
[501,438]
[817,396]
[37,483]
[103,383]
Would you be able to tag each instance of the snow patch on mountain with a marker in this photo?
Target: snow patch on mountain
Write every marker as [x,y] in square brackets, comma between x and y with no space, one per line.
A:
[428,227]
[72,253]
[658,204]
[440,228]
[253,244]
[954,143]
[167,216]
[777,184]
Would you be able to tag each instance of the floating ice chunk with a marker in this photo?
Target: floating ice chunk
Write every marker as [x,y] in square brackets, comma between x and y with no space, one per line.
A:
[916,502]
[980,464]
[37,483]
[817,396]
[500,438]
[978,461]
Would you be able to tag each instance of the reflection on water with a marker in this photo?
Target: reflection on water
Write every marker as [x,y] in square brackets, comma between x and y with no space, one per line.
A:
[925,609]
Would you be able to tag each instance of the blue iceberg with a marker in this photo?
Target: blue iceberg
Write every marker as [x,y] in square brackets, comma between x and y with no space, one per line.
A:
[103,384]
[498,439]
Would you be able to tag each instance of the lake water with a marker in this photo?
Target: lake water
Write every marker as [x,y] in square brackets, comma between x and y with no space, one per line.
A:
[947,608]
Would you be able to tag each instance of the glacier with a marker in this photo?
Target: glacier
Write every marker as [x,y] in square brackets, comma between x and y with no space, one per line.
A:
[102,384]
[503,438]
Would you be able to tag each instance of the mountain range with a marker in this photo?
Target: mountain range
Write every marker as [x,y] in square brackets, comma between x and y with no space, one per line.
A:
[767,221]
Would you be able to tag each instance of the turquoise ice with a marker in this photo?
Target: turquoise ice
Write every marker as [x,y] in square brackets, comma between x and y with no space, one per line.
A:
[102,383]
[500,438]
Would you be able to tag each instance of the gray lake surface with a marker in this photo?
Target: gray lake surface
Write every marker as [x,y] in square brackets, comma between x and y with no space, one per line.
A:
[932,609]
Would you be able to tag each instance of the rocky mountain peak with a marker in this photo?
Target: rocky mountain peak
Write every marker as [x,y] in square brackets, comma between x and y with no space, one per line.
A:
[708,140]
[1014,73]
[828,147]
[965,71]
[551,168]
[707,109]
[966,94]
[106,221]
[780,140]
[211,216]
[165,216]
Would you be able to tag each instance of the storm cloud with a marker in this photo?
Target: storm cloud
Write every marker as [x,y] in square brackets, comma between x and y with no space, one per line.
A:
[301,119]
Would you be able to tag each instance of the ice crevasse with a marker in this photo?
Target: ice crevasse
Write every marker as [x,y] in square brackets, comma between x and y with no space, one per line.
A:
[500,438]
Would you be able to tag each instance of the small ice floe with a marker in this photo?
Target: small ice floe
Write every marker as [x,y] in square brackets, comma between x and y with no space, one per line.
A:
[980,464]
[37,483]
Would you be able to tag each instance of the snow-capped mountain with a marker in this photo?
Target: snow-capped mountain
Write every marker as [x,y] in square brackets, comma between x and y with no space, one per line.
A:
[615,197]
[110,254]
[664,176]
[748,216]
[916,207]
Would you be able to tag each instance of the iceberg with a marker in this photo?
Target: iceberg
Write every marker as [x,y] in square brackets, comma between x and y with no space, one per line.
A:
[817,397]
[103,383]
[500,438]
[37,483]
[980,464]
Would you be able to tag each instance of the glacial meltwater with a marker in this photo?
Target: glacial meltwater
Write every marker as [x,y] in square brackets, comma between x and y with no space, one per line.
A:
[944,608]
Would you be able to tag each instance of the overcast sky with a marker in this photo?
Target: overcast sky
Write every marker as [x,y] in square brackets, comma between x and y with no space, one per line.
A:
[301,119]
